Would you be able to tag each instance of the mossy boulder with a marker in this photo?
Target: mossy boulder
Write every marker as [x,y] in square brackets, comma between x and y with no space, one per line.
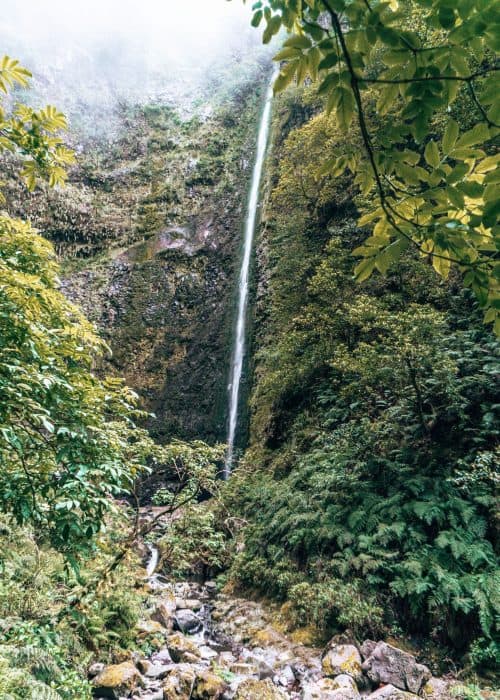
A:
[342,659]
[182,649]
[209,686]
[258,690]
[388,664]
[117,681]
[180,683]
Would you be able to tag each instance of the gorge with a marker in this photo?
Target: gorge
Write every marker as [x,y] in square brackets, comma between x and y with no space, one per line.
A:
[249,355]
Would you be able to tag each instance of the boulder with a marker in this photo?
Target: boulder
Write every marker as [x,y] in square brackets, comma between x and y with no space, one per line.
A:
[258,690]
[161,657]
[147,628]
[437,689]
[367,648]
[209,686]
[165,611]
[390,692]
[180,683]
[182,649]
[116,681]
[339,659]
[187,621]
[342,687]
[388,664]
[96,669]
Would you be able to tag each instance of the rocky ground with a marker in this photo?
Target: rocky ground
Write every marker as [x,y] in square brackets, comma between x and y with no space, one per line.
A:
[205,644]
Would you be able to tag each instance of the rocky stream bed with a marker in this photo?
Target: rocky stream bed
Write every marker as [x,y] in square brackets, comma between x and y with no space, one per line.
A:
[209,645]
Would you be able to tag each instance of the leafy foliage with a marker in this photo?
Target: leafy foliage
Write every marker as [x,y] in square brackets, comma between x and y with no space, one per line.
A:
[435,188]
[374,424]
[32,135]
[65,439]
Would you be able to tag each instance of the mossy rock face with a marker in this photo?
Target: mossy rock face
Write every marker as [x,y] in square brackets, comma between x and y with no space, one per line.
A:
[153,258]
[117,680]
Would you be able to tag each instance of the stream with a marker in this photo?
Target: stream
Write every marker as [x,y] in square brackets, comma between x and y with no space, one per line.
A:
[206,644]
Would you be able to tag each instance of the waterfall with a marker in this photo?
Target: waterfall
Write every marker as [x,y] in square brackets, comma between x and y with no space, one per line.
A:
[240,329]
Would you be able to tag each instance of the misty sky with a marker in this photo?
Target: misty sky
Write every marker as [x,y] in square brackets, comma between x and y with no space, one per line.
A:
[97,52]
[178,23]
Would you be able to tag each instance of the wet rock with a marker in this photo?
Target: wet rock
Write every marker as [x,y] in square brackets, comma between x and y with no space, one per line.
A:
[341,659]
[180,683]
[208,685]
[258,690]
[390,692]
[187,622]
[387,664]
[117,681]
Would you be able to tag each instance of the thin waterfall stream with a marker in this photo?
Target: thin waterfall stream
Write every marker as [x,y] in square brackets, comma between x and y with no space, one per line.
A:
[240,328]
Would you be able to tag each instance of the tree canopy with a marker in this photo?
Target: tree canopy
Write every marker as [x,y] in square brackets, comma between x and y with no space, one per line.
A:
[67,439]
[428,168]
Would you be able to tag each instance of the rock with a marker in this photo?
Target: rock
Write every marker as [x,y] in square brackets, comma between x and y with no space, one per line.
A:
[258,690]
[208,685]
[165,611]
[342,687]
[156,695]
[95,669]
[187,621]
[188,604]
[387,664]
[211,587]
[157,671]
[226,658]
[182,649]
[286,677]
[367,648]
[146,628]
[390,692]
[117,681]
[436,689]
[245,669]
[162,657]
[207,654]
[341,659]
[180,683]
[143,665]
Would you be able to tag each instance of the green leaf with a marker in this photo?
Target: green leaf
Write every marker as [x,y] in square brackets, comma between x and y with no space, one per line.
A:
[364,269]
[431,154]
[450,136]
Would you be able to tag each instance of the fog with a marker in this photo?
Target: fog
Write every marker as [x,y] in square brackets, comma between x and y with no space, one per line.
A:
[88,56]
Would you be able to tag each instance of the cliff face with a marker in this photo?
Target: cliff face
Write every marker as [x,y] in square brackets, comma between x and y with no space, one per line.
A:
[149,232]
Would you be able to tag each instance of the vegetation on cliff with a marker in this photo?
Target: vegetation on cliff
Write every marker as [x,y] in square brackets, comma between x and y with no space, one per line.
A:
[370,487]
